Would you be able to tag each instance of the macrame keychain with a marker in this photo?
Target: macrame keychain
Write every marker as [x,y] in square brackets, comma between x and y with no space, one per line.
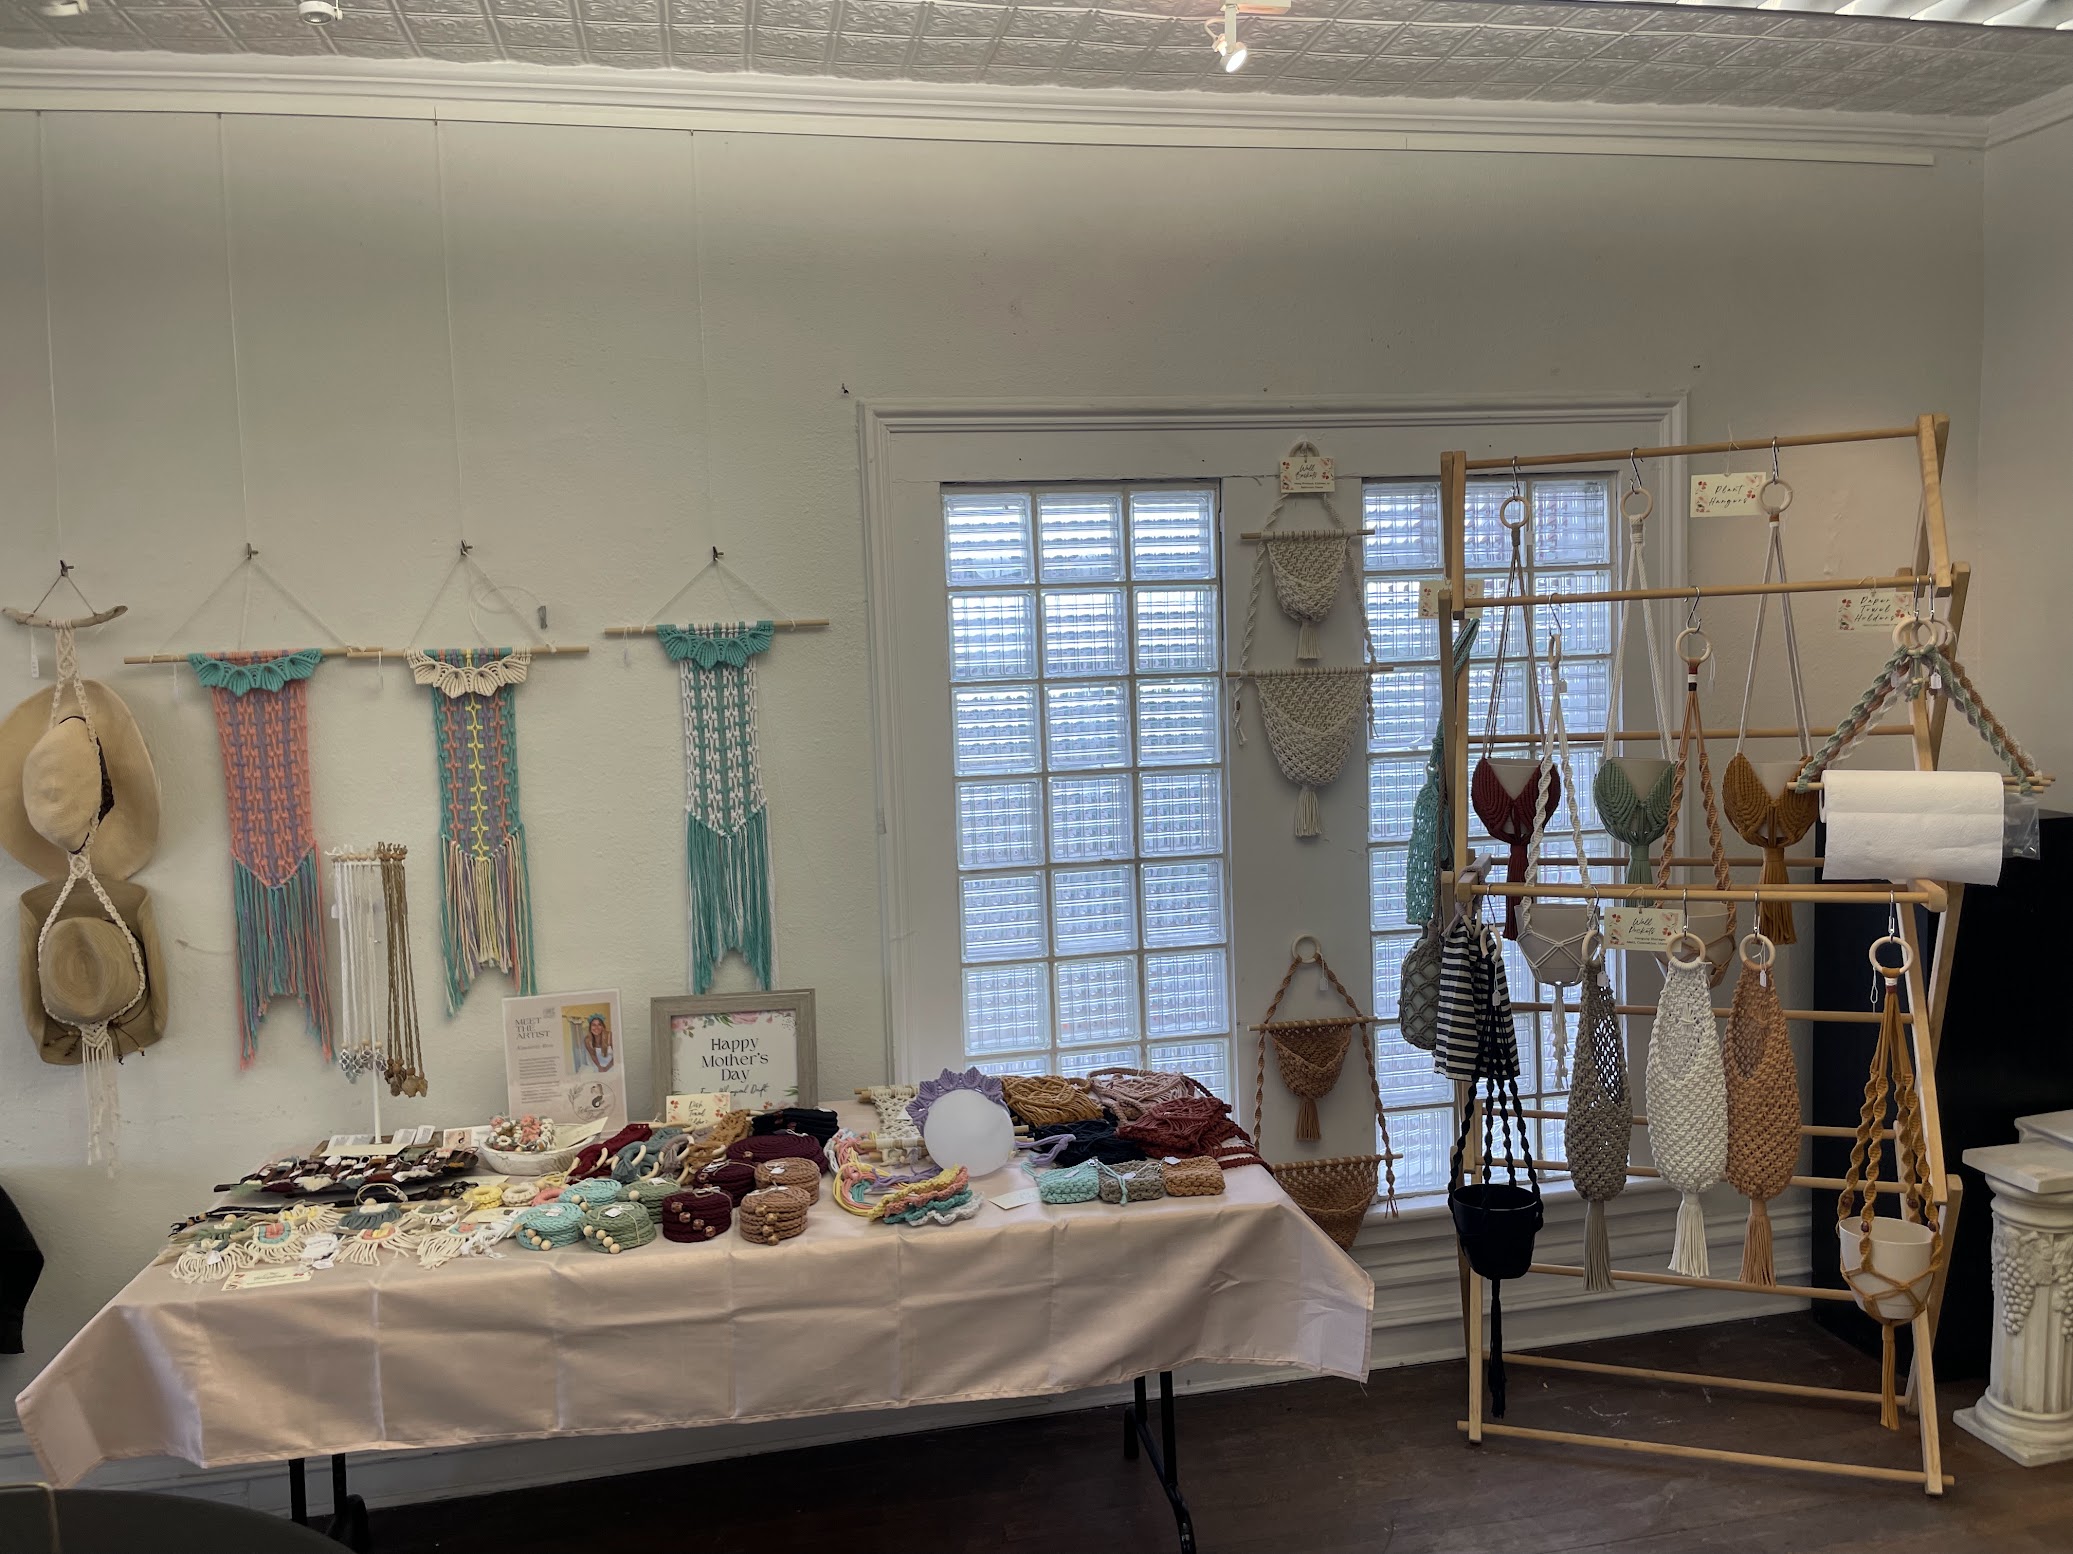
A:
[1890,1264]
[1763,1105]
[1598,1130]
[1720,950]
[1772,821]
[1508,799]
[1553,936]
[1307,565]
[1632,792]
[1687,1097]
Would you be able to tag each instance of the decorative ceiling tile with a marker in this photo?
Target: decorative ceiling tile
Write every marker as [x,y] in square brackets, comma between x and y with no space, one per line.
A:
[1029,54]
[530,10]
[1499,43]
[775,44]
[375,48]
[1124,31]
[966,54]
[1093,57]
[1699,48]
[620,10]
[165,24]
[1746,24]
[1031,22]
[885,18]
[1426,42]
[1562,43]
[705,42]
[891,52]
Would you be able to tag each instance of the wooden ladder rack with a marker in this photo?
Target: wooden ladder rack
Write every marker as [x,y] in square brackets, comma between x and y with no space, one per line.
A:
[1927,980]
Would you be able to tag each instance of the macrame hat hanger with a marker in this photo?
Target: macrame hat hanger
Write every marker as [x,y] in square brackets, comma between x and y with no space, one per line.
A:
[1635,814]
[1764,819]
[1510,814]
[1763,1105]
[1695,650]
[1687,1096]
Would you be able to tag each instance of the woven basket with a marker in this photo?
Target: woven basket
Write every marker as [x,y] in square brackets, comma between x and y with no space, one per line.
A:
[1336,1193]
[537,1162]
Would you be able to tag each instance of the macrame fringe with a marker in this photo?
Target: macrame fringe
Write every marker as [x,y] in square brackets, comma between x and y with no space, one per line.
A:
[1758,1264]
[103,1117]
[730,897]
[1774,918]
[1889,1400]
[1306,641]
[1597,1249]
[1688,1251]
[1308,821]
[1306,1122]
[280,934]
[485,915]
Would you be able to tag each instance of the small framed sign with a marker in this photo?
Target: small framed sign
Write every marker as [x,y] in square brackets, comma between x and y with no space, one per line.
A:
[755,1047]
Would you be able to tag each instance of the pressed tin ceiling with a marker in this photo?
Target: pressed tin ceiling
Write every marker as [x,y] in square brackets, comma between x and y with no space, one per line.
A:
[1552,50]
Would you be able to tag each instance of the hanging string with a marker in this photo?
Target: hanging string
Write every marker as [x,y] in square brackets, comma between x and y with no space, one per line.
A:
[247,565]
[237,380]
[50,347]
[453,376]
[721,571]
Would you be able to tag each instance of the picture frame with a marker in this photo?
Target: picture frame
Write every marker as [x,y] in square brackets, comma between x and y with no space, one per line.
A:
[757,1047]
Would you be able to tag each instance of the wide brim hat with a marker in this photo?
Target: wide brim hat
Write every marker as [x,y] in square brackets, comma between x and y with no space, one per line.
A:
[129,831]
[92,976]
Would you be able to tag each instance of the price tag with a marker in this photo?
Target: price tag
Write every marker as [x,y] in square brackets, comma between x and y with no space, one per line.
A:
[1873,610]
[260,1278]
[1648,929]
[1015,1199]
[1429,597]
[696,1111]
[1727,496]
[1307,472]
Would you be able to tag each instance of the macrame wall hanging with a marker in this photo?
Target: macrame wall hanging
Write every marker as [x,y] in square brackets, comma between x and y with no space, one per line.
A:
[726,833]
[1509,794]
[1632,792]
[262,726]
[377,986]
[1719,940]
[1890,1265]
[1599,1130]
[1767,819]
[1687,1097]
[485,900]
[1763,1104]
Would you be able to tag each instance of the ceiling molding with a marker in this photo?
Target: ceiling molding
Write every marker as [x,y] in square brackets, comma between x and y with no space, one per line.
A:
[2031,117]
[84,80]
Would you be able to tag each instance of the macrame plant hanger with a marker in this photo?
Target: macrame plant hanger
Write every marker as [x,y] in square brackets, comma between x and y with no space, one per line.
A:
[1763,1108]
[1509,810]
[1556,937]
[1691,739]
[1431,848]
[1632,813]
[726,825]
[1687,1097]
[1764,819]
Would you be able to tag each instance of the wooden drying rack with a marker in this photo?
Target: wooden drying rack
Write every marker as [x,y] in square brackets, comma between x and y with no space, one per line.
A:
[1927,979]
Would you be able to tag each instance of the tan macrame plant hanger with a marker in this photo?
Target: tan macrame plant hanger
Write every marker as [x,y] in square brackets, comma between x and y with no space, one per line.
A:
[1766,820]
[1763,1106]
[1720,948]
[1308,566]
[1336,1193]
[1887,1298]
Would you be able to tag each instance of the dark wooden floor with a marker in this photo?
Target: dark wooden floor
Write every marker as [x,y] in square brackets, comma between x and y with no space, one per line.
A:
[1328,1467]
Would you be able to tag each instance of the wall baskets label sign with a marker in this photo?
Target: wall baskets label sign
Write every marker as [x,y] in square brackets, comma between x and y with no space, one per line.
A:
[1307,472]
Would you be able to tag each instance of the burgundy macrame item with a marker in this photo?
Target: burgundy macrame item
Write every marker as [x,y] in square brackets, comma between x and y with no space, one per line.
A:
[698,1215]
[1193,1125]
[765,1147]
[1510,818]
[596,1159]
[735,1178]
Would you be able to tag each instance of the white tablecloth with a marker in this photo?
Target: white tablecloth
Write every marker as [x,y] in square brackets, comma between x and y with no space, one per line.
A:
[849,1316]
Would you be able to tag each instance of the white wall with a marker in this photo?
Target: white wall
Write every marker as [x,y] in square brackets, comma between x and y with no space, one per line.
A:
[2023,639]
[657,343]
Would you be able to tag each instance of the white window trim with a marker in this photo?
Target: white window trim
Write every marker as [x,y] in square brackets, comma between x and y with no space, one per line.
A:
[904,443]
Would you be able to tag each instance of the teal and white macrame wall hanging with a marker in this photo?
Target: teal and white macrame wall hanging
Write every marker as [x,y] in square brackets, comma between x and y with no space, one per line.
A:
[726,831]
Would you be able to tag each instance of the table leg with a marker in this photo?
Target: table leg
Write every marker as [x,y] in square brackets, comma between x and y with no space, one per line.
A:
[348,1511]
[1162,1453]
[298,1494]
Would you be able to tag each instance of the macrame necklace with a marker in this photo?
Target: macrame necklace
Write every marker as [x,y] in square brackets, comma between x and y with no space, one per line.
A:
[262,725]
[1762,1102]
[485,898]
[1554,937]
[1631,815]
[726,833]
[1509,813]
[1772,822]
[1687,1097]
[1720,949]
[1599,1129]
[377,987]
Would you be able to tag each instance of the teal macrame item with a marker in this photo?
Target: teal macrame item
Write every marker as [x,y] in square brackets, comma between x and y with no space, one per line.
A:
[726,832]
[269,675]
[1432,823]
[1637,819]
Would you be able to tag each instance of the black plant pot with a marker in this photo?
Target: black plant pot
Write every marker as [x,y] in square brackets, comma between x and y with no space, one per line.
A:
[1496,1222]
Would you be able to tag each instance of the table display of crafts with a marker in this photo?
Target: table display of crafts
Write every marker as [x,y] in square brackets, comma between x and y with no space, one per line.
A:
[1118,1136]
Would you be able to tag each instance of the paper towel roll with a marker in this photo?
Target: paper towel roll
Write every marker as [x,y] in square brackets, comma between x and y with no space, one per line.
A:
[1912,825]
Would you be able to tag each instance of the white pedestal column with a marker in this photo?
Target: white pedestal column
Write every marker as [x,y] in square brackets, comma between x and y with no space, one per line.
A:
[2027,1410]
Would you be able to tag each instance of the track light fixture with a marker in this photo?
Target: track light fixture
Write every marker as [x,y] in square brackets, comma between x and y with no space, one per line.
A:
[1228,47]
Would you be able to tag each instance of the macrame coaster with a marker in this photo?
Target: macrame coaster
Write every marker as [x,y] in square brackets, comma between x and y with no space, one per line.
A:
[262,726]
[1762,1108]
[1312,718]
[1432,818]
[485,898]
[1720,951]
[1599,1130]
[726,833]
[1687,1100]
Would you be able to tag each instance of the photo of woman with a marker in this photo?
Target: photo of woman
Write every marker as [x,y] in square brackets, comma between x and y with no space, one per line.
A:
[591,1043]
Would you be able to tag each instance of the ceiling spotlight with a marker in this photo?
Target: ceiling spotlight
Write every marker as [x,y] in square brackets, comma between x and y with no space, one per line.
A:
[318,13]
[1228,47]
[62,8]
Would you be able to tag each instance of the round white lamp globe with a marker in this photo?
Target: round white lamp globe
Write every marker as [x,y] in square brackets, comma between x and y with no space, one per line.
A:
[966,1129]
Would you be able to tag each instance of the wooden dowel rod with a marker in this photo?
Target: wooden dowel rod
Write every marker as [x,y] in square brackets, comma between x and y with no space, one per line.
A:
[78,623]
[1813,1130]
[1324,1019]
[1275,674]
[181,658]
[1754,1459]
[1650,735]
[1825,1016]
[1650,1173]
[802,624]
[1818,585]
[1932,896]
[537,650]
[1693,1281]
[1792,861]
[1788,1389]
[1688,450]
[1254,536]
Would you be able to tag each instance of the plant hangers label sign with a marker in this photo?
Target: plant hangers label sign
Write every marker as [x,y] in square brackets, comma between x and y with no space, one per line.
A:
[1727,496]
[1649,929]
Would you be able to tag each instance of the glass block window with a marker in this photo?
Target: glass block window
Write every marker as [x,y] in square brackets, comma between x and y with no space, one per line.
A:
[1087,743]
[1575,525]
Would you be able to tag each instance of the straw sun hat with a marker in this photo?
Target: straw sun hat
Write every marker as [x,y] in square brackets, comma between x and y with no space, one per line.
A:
[50,788]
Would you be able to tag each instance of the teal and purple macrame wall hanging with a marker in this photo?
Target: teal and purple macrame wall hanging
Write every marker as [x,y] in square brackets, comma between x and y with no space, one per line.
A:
[485,903]
[262,725]
[726,833]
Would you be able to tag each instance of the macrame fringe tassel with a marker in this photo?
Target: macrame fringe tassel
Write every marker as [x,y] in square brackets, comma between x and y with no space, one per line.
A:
[280,933]
[1889,1400]
[730,897]
[1306,642]
[1496,1366]
[1597,1249]
[1306,1122]
[1774,918]
[1640,869]
[1308,822]
[1688,1251]
[1758,1264]
[97,1058]
[485,915]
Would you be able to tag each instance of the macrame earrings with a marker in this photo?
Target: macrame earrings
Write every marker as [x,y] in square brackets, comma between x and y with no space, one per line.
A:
[1632,792]
[262,726]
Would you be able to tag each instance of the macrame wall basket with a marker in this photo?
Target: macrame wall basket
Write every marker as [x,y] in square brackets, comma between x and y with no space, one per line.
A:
[1308,566]
[1336,1193]
[1313,718]
[1763,1106]
[1308,1053]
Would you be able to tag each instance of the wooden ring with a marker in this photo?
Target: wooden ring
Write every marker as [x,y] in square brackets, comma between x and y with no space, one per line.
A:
[1766,956]
[1766,501]
[1699,632]
[1648,504]
[1525,512]
[1890,973]
[1295,951]
[1593,948]
[1678,938]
